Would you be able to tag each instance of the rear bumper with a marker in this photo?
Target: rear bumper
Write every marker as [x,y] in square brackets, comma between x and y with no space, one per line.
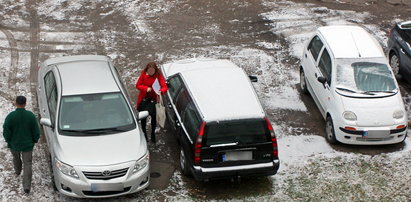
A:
[260,169]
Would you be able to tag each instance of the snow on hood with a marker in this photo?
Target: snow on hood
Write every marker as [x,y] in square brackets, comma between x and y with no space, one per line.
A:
[374,111]
[101,150]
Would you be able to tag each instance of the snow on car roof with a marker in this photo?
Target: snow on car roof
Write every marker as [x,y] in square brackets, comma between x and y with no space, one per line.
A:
[170,69]
[84,77]
[221,89]
[350,42]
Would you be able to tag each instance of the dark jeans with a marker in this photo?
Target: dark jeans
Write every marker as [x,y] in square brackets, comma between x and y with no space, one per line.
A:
[150,106]
[26,164]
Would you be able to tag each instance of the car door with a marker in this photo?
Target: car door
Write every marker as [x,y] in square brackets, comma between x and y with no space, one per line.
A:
[50,105]
[174,88]
[323,91]
[311,55]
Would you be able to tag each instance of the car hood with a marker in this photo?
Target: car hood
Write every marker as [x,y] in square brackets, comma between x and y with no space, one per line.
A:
[374,111]
[100,150]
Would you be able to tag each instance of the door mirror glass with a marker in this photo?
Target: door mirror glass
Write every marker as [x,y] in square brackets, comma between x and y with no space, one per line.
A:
[253,78]
[46,122]
[142,115]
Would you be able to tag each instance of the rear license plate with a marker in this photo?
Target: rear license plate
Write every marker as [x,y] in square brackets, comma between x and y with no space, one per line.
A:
[238,156]
[96,187]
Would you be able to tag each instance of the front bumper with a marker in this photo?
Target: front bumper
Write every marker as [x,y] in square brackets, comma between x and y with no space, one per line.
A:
[84,187]
[360,137]
[260,169]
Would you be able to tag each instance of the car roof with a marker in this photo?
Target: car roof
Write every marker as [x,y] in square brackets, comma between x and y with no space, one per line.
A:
[84,75]
[347,41]
[221,89]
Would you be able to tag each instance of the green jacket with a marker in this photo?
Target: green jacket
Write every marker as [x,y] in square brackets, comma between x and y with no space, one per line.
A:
[20,130]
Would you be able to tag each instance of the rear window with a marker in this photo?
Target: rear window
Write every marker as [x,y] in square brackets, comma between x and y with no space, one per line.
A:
[241,132]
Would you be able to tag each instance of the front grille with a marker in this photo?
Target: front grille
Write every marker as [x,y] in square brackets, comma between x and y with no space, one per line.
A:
[101,176]
[105,193]
[373,139]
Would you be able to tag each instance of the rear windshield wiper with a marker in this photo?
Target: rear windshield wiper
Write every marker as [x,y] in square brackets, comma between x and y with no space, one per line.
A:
[381,91]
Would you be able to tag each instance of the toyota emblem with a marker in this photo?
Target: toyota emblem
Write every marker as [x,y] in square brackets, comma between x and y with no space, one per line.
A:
[106,173]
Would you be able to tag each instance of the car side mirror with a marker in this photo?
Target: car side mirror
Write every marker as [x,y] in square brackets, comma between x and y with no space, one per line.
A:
[253,78]
[46,122]
[322,80]
[142,115]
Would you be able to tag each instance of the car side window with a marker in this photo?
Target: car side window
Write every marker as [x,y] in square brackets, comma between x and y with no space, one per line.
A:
[51,94]
[182,100]
[191,120]
[174,86]
[315,47]
[325,65]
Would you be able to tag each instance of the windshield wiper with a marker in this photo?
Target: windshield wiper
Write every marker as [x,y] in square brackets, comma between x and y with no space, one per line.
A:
[346,89]
[100,130]
[381,91]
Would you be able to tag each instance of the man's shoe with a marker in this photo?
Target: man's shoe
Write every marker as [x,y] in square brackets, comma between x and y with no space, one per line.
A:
[27,191]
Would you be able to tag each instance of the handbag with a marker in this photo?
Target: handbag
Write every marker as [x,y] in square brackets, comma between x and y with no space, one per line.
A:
[160,112]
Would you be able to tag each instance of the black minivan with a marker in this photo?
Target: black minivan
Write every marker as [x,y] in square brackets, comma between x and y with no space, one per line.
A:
[221,126]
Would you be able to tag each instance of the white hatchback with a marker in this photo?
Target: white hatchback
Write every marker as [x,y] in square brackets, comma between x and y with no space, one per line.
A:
[346,72]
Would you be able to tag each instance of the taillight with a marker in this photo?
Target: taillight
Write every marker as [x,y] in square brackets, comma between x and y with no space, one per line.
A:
[197,146]
[273,138]
[390,32]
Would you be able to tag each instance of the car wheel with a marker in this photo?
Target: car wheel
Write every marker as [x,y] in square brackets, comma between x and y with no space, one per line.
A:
[395,64]
[303,82]
[53,182]
[329,131]
[183,163]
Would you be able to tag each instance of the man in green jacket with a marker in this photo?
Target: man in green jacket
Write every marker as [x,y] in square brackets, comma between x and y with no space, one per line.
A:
[21,132]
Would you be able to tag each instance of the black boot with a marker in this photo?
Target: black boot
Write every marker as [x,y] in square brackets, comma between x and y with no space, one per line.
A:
[153,137]
[144,128]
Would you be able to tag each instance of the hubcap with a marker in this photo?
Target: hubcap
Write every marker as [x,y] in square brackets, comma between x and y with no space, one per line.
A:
[182,159]
[394,63]
[329,130]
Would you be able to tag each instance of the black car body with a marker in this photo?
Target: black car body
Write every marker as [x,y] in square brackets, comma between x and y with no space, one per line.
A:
[222,133]
[399,50]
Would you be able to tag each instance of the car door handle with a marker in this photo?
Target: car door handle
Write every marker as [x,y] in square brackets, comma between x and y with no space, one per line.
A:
[402,51]
[169,106]
[315,75]
[305,55]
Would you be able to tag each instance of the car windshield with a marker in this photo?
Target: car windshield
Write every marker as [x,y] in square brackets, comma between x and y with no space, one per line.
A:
[95,114]
[237,132]
[365,77]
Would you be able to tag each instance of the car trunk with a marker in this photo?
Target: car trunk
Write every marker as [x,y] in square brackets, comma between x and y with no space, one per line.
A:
[233,143]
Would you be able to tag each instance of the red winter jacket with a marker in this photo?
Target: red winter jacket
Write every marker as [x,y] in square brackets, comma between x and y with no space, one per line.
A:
[146,81]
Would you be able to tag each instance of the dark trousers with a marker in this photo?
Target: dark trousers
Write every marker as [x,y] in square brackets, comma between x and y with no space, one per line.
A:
[150,106]
[26,164]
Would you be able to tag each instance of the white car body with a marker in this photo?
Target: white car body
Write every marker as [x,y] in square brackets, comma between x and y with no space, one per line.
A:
[369,115]
[98,164]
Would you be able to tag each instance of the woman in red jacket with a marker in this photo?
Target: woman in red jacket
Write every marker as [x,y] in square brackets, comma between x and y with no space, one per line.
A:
[147,98]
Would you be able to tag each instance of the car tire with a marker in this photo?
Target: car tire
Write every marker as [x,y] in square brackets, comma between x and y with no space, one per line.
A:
[53,182]
[183,163]
[303,82]
[395,64]
[329,131]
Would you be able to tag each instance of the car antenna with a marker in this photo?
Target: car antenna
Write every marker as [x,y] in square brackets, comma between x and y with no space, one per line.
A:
[359,54]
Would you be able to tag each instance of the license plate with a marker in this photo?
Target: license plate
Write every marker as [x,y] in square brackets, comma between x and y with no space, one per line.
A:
[378,134]
[238,156]
[96,187]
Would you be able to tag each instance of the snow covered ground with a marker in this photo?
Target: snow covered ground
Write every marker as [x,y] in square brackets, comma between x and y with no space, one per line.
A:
[310,168]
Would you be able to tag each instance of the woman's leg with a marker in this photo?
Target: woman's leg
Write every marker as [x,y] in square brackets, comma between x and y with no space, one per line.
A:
[144,127]
[153,125]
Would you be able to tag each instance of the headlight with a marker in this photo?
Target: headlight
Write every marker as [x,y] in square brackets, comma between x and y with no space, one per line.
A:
[142,163]
[399,114]
[66,169]
[350,116]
